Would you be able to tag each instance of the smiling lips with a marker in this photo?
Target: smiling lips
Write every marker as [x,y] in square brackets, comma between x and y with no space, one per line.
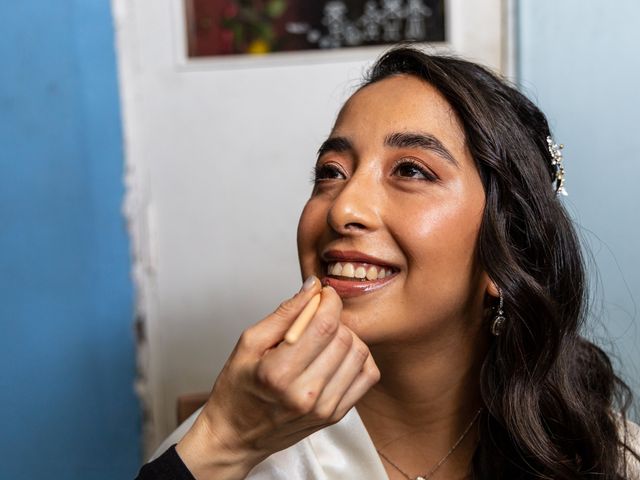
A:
[355,274]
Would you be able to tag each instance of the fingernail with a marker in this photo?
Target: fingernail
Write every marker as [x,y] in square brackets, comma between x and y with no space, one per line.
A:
[309,283]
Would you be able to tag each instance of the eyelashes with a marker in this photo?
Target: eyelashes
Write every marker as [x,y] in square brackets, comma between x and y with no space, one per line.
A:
[327,171]
[413,169]
[406,168]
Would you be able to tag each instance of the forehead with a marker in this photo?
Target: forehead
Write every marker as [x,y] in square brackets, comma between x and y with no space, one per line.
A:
[397,104]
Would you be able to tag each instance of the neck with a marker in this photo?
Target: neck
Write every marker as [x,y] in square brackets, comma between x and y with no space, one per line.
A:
[426,398]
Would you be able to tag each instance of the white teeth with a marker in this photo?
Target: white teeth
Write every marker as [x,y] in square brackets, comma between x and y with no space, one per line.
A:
[372,273]
[360,272]
[336,269]
[348,270]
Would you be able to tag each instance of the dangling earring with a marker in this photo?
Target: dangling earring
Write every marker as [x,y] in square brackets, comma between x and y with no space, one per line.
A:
[498,324]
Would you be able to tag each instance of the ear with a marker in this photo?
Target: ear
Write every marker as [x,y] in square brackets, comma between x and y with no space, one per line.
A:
[492,288]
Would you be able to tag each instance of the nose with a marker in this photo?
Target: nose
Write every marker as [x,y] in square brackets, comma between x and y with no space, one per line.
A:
[356,208]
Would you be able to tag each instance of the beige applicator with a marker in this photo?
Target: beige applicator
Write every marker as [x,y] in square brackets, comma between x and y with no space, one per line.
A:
[300,324]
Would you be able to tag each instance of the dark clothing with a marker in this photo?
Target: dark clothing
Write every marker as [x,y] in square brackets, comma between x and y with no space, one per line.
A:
[168,466]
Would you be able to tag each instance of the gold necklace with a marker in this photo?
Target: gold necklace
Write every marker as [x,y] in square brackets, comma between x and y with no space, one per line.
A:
[427,475]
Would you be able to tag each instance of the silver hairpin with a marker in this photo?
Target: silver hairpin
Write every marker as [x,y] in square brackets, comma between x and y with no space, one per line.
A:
[556,162]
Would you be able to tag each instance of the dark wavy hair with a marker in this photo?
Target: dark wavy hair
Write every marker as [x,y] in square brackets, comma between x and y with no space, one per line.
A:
[554,407]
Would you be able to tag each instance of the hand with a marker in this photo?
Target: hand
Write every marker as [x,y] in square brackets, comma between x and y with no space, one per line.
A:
[270,394]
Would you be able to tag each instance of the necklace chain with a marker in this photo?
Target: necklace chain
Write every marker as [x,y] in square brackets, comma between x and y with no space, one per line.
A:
[427,475]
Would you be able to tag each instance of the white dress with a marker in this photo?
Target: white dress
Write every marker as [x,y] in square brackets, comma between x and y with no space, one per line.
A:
[338,452]
[341,451]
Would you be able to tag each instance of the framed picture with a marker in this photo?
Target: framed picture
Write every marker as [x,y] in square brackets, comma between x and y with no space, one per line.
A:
[253,33]
[235,27]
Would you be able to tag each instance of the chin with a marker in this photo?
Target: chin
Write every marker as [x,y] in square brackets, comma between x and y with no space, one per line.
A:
[364,324]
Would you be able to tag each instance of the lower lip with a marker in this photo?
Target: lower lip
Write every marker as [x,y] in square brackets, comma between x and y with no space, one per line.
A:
[355,288]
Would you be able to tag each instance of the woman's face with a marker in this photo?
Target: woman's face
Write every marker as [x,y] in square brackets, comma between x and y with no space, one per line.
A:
[393,219]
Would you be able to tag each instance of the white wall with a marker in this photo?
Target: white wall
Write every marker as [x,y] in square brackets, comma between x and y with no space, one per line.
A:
[219,158]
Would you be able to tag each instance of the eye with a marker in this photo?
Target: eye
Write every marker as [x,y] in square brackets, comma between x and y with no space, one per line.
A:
[409,168]
[327,171]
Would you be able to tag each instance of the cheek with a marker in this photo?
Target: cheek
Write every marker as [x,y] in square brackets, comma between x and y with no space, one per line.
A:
[440,244]
[310,228]
[449,221]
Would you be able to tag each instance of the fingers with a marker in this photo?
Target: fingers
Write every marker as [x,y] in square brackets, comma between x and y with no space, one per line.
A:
[338,384]
[331,384]
[355,375]
[365,379]
[270,390]
[319,377]
[280,366]
[308,387]
[270,331]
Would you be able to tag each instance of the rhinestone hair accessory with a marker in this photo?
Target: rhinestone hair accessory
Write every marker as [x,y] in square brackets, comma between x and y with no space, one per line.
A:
[556,163]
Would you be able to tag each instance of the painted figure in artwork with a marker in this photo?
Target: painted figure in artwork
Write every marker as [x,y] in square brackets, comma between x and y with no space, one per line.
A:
[370,21]
[393,14]
[352,35]
[417,12]
[335,19]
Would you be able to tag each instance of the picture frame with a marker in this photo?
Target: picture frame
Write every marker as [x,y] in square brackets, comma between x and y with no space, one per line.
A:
[481,31]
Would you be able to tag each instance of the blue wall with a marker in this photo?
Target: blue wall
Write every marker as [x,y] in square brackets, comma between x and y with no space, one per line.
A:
[67,361]
[581,61]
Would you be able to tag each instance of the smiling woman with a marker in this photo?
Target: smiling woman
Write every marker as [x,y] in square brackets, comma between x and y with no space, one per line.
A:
[446,343]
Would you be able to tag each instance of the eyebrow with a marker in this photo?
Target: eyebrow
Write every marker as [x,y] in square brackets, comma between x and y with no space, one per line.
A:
[335,144]
[424,141]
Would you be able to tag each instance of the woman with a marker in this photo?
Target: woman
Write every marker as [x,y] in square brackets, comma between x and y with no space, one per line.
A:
[454,293]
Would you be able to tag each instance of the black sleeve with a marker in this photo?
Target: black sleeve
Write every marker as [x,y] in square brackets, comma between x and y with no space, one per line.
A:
[168,466]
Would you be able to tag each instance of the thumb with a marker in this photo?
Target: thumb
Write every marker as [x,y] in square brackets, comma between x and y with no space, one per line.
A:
[273,327]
